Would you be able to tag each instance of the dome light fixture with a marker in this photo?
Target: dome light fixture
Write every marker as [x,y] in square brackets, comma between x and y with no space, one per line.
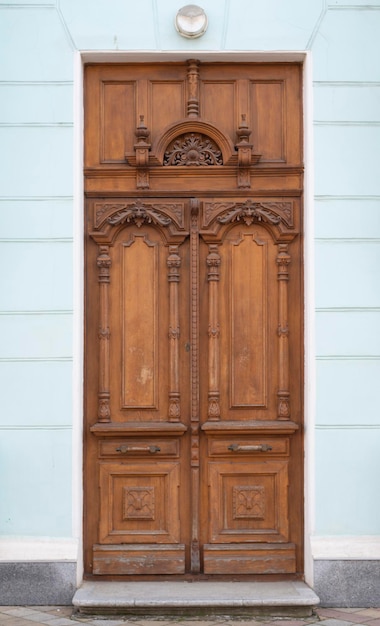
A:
[191,21]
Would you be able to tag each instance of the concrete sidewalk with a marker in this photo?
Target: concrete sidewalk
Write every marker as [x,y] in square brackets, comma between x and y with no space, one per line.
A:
[65,616]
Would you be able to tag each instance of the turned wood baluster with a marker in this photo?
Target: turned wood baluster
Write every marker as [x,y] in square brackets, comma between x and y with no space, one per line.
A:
[213,263]
[283,395]
[104,264]
[174,263]
[193,87]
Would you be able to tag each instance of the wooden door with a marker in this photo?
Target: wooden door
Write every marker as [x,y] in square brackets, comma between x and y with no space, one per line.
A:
[193,378]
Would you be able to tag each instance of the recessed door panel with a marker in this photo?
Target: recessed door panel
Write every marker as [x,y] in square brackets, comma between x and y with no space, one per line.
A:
[193,372]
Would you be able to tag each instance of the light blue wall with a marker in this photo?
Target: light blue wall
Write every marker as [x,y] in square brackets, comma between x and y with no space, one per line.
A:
[37,43]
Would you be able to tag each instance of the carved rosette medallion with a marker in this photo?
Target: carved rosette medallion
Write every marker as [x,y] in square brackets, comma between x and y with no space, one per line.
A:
[193,149]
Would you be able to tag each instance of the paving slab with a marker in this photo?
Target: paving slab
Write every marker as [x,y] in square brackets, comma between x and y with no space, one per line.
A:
[200,598]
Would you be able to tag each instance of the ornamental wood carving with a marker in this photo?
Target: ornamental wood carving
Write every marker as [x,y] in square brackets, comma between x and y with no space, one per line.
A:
[193,339]
[193,149]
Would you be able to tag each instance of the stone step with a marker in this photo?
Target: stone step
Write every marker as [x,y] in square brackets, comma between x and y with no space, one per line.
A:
[199,598]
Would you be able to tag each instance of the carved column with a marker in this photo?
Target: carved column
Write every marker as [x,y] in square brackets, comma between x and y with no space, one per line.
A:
[104,264]
[142,148]
[193,87]
[194,373]
[244,149]
[283,396]
[174,263]
[213,263]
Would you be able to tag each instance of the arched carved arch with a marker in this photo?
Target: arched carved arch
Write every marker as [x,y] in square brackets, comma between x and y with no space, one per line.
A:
[112,217]
[275,217]
[195,127]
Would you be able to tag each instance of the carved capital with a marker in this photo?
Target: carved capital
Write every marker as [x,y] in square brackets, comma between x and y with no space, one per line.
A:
[213,262]
[104,263]
[174,409]
[104,333]
[214,407]
[214,332]
[104,412]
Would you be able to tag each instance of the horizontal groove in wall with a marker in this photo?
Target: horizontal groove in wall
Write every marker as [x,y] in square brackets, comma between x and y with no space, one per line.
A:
[39,312]
[348,357]
[354,7]
[38,240]
[346,83]
[35,83]
[27,6]
[35,198]
[37,359]
[36,124]
[346,123]
[348,309]
[347,426]
[358,240]
[36,427]
[339,197]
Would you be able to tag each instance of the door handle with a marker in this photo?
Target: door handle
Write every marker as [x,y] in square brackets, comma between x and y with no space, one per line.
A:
[150,449]
[236,447]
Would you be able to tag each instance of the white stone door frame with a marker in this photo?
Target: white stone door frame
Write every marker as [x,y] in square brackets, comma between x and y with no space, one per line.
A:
[309,316]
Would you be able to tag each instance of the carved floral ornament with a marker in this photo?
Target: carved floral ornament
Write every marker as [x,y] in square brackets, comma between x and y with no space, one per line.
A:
[193,149]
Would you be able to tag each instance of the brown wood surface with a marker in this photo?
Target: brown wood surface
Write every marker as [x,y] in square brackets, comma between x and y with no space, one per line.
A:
[194,337]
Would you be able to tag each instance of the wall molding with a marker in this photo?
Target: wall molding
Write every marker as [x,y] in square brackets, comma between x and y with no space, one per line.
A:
[348,547]
[38,549]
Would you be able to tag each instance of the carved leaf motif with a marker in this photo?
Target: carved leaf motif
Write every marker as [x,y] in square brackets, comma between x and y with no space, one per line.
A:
[138,213]
[193,149]
[249,502]
[139,503]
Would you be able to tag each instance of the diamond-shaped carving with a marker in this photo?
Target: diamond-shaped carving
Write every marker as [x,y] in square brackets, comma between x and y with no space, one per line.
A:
[249,502]
[138,503]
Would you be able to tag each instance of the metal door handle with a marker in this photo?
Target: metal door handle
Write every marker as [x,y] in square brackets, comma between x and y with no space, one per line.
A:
[150,449]
[236,447]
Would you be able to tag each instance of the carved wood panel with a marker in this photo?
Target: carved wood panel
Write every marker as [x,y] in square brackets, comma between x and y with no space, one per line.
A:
[193,403]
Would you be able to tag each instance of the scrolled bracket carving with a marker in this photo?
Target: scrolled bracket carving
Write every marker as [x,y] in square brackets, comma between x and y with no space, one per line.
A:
[138,213]
[250,212]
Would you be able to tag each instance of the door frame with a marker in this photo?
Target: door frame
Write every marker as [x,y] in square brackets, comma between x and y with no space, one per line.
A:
[78,273]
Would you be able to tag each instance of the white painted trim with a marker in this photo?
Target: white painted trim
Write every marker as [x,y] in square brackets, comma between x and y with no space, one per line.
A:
[309,319]
[78,316]
[341,548]
[38,549]
[139,56]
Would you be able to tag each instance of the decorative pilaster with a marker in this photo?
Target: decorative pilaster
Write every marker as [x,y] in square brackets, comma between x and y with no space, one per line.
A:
[104,264]
[174,264]
[194,373]
[213,263]
[283,395]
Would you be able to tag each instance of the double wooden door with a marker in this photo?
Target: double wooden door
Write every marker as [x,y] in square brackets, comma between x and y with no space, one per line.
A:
[193,403]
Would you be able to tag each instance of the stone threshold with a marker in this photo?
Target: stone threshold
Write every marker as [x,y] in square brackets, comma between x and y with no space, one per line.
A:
[199,598]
